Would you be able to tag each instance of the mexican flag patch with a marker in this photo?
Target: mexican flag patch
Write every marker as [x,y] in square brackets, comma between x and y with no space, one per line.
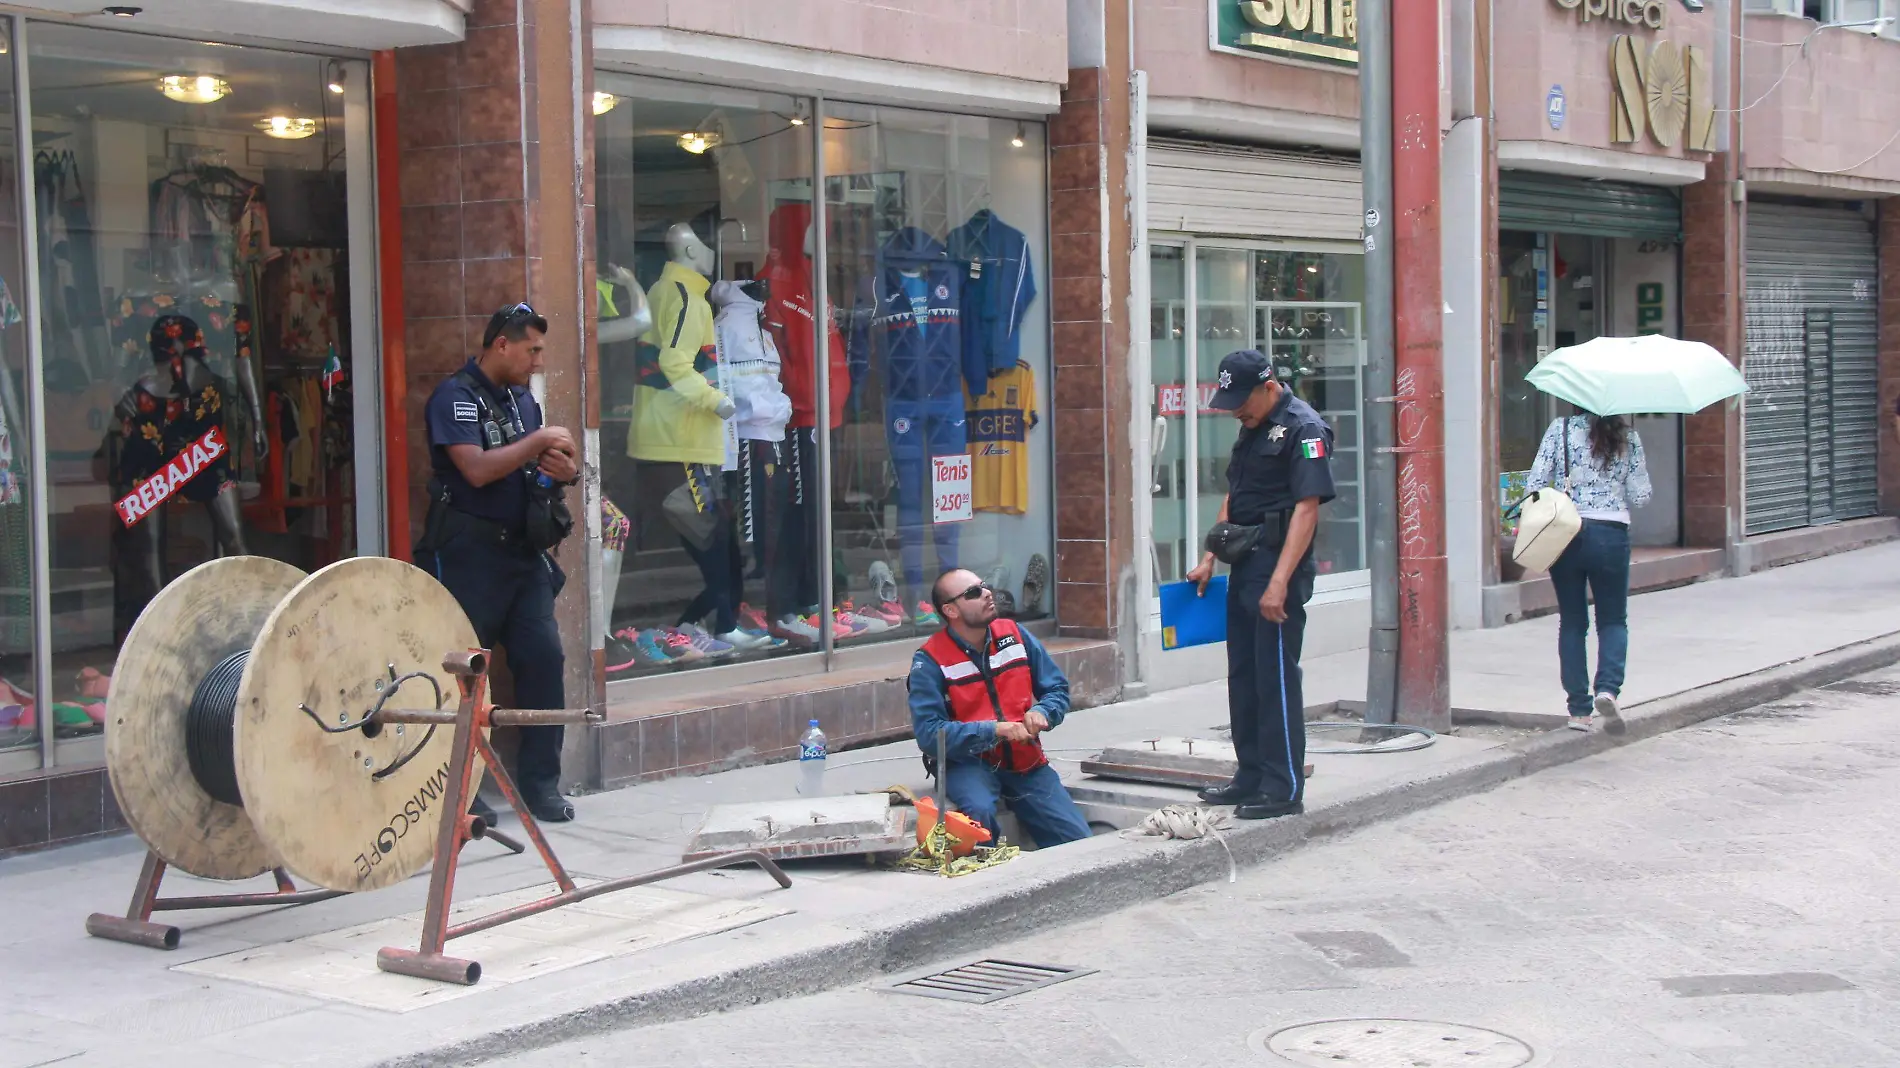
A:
[1313,448]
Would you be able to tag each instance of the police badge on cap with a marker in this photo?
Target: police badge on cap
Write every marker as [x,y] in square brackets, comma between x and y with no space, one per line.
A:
[1240,374]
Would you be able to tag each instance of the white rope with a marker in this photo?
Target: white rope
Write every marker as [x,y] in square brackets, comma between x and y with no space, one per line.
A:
[1188,822]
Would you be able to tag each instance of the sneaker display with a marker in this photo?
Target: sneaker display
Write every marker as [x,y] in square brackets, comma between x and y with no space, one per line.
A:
[740,638]
[712,648]
[845,626]
[679,645]
[621,656]
[889,611]
[883,583]
[1035,583]
[869,622]
[751,619]
[796,629]
[926,616]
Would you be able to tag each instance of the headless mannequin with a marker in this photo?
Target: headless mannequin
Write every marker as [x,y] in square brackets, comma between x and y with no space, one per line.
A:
[638,320]
[180,384]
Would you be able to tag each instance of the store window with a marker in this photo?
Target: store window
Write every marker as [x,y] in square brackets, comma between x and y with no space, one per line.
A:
[1303,308]
[709,469]
[191,213]
[1549,295]
[20,725]
[936,235]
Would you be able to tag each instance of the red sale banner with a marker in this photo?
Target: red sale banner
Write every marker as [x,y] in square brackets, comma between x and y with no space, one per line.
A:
[950,489]
[152,493]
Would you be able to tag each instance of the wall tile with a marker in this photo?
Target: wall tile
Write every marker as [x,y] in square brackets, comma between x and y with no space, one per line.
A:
[428,119]
[494,229]
[23,814]
[432,289]
[695,737]
[76,804]
[491,113]
[490,55]
[659,745]
[429,176]
[494,283]
[492,172]
[432,233]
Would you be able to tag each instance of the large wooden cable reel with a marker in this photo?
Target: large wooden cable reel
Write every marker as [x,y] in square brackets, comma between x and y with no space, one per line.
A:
[322,788]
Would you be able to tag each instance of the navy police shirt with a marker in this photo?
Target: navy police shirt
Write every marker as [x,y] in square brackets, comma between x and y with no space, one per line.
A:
[1281,462]
[454,418]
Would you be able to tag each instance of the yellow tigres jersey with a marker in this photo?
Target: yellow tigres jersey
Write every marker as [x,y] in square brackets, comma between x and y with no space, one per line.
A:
[998,427]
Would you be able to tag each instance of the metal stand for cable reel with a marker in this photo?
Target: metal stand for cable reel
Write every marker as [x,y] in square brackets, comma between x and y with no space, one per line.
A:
[249,732]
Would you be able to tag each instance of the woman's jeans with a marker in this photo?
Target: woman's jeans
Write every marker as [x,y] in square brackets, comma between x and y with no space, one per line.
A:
[1598,556]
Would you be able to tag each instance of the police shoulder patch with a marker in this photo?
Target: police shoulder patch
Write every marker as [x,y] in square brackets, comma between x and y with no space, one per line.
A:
[465,412]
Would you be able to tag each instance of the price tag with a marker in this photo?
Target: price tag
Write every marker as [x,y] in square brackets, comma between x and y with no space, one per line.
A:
[950,489]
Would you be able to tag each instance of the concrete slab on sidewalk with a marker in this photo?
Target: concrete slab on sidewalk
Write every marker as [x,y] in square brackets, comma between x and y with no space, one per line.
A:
[1695,652]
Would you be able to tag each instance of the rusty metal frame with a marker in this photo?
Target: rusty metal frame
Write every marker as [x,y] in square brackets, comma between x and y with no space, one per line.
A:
[472,719]
[137,928]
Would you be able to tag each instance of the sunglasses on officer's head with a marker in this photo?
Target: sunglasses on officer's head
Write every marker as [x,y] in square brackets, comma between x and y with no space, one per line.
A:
[505,318]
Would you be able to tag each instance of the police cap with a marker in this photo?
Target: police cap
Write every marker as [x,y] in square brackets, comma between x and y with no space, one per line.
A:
[1240,374]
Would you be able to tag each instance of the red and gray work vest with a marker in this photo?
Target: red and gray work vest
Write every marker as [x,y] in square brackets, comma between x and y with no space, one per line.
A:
[1001,690]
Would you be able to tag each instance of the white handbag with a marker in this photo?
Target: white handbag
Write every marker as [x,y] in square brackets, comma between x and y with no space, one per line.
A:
[1547,520]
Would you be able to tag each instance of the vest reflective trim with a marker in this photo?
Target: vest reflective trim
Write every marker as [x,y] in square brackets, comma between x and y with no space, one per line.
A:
[959,672]
[1009,656]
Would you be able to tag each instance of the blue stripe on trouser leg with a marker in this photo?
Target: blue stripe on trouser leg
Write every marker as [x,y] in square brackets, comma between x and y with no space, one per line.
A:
[1286,714]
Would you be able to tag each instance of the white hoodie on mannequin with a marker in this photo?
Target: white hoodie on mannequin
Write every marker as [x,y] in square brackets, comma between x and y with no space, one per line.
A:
[752,361]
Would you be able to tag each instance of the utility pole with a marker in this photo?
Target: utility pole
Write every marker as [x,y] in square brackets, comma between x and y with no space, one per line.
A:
[1375,158]
[1424,681]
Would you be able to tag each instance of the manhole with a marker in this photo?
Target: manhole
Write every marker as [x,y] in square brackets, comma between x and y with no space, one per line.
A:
[1392,1044]
[987,980]
[1867,687]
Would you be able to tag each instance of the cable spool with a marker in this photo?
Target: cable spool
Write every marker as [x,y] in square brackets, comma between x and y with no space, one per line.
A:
[209,732]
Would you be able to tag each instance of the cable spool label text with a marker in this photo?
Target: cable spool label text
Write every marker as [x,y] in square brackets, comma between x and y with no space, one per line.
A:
[408,816]
[152,493]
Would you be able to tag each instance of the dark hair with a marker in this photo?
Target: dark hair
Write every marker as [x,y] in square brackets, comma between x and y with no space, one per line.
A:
[937,599]
[1609,436]
[513,324]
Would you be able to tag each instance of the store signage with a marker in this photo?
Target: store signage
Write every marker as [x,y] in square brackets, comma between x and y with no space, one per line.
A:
[1554,107]
[1172,399]
[1323,30]
[1649,308]
[1634,12]
[152,493]
[950,489]
[1665,90]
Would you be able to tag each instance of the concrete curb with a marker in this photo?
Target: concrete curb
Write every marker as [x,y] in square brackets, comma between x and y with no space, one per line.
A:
[1118,872]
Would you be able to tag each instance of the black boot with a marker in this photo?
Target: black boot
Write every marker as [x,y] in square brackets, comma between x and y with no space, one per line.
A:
[1231,794]
[549,806]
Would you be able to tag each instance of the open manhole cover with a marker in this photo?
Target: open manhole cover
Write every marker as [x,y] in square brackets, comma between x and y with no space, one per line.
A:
[1392,1044]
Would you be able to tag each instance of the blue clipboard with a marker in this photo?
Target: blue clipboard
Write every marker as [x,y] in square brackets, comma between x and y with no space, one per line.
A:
[1187,619]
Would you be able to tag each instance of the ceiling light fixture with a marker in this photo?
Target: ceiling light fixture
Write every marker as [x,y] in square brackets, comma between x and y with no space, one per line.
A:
[697,142]
[605,102]
[287,128]
[1017,141]
[194,88]
[123,12]
[333,77]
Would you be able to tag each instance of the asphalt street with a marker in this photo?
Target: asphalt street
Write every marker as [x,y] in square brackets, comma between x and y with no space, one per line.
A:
[1719,897]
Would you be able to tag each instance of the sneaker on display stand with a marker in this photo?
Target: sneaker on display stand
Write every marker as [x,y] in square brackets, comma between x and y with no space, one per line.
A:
[870,622]
[926,616]
[1035,583]
[679,645]
[884,584]
[649,647]
[751,619]
[796,629]
[701,639]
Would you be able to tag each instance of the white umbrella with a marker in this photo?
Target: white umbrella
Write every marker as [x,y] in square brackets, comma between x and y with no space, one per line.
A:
[1630,375]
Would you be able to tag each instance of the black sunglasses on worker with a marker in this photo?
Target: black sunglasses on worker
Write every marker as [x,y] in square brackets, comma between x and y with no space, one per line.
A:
[505,318]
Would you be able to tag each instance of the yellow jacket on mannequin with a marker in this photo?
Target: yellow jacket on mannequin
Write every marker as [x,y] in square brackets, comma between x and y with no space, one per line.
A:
[675,397]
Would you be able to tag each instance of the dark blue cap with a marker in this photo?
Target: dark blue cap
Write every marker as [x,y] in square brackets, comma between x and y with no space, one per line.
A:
[1240,374]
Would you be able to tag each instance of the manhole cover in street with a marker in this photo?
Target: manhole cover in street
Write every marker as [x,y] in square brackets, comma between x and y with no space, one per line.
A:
[1393,1044]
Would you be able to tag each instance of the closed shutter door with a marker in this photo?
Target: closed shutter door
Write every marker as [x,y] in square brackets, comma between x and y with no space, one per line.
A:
[1811,362]
[1531,201]
[1214,189]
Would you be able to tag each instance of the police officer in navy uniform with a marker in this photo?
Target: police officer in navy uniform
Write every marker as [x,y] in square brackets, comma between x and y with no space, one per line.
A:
[1279,475]
[499,475]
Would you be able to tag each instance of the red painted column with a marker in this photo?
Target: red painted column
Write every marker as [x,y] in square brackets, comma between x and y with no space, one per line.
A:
[1424,695]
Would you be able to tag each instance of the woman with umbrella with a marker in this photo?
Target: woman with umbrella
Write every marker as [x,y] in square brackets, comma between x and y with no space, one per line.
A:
[1597,459]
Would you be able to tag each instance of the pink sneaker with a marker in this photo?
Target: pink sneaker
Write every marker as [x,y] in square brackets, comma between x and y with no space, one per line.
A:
[889,611]
[751,618]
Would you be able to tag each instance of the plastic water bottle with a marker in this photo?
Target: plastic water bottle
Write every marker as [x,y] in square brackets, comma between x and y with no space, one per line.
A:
[811,762]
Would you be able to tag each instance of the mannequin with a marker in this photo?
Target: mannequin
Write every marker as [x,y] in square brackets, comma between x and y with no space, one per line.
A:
[615,526]
[165,411]
[639,315]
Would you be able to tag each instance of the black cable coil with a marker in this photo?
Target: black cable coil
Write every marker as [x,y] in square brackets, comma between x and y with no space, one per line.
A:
[209,729]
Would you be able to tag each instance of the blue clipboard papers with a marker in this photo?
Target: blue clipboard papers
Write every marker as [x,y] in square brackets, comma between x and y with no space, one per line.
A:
[1190,620]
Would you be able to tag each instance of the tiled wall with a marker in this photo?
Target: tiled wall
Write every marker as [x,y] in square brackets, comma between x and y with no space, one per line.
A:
[51,809]
[1711,313]
[1009,38]
[1819,101]
[740,733]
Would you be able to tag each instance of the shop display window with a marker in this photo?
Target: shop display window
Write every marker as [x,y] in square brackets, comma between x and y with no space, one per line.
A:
[21,728]
[191,218]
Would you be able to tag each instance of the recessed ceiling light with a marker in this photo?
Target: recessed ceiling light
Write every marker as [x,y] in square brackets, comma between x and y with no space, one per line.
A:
[333,77]
[194,88]
[605,102]
[287,127]
[1018,140]
[123,12]
[697,142]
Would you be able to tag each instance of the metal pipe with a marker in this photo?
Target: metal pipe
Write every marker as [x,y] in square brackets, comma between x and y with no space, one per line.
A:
[821,378]
[1424,678]
[1375,157]
[582,893]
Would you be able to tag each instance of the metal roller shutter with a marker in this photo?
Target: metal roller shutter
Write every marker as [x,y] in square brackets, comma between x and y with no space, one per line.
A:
[1218,189]
[1531,201]
[1812,414]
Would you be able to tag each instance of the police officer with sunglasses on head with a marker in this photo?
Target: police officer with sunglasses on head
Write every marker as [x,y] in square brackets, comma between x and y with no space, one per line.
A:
[496,510]
[1279,475]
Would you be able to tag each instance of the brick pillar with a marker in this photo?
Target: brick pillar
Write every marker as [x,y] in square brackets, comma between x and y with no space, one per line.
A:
[1089,272]
[1889,237]
[1712,312]
[496,170]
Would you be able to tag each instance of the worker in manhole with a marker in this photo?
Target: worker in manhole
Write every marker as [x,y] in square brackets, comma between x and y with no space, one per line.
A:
[991,690]
[1278,476]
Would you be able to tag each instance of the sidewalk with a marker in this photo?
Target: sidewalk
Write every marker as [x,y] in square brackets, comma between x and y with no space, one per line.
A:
[720,939]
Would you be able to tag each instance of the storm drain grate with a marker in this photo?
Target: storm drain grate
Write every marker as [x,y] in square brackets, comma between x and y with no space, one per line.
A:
[987,980]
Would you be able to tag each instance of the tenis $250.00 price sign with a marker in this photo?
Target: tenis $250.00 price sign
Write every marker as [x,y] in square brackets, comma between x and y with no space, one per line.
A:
[950,489]
[190,462]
